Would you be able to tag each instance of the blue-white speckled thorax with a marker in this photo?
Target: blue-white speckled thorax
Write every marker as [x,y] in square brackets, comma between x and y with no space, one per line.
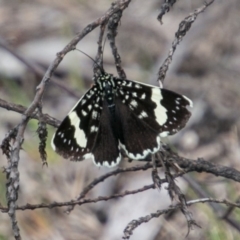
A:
[107,85]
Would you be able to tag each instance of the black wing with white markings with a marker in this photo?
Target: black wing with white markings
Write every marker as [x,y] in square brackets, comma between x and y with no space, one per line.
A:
[117,115]
[148,113]
[75,137]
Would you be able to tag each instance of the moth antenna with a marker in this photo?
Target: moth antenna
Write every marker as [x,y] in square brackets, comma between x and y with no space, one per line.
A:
[100,67]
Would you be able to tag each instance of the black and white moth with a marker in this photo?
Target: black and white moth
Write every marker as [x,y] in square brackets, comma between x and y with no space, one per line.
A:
[117,115]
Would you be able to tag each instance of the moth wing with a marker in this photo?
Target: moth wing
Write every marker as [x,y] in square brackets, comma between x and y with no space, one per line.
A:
[75,137]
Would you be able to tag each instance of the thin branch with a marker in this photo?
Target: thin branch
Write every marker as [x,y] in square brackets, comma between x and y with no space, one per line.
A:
[79,202]
[128,231]
[99,56]
[189,165]
[12,177]
[217,209]
[175,191]
[200,165]
[102,178]
[21,109]
[165,7]
[112,33]
[42,134]
[184,27]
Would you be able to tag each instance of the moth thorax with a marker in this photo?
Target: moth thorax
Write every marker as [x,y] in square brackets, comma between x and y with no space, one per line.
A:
[109,93]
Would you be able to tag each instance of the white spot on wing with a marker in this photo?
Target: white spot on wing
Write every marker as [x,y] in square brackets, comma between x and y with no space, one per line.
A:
[164,134]
[52,143]
[84,113]
[94,114]
[88,95]
[160,111]
[83,101]
[143,115]
[79,134]
[107,164]
[94,129]
[87,155]
[134,103]
[143,96]
[190,101]
[145,152]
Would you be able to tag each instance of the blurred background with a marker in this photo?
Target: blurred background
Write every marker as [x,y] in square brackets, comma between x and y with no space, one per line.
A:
[205,67]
